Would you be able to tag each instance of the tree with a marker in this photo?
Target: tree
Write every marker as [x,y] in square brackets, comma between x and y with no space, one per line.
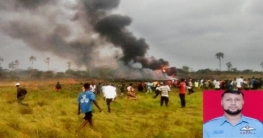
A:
[11,65]
[219,56]
[16,63]
[229,66]
[47,61]
[1,60]
[203,71]
[247,71]
[261,64]
[234,69]
[69,65]
[32,59]
[185,68]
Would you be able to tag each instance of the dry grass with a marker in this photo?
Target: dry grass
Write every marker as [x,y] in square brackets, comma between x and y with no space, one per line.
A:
[53,114]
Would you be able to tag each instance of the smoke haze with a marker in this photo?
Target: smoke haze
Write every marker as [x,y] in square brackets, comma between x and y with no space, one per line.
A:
[76,30]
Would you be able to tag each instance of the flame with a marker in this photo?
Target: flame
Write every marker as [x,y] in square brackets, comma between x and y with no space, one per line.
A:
[170,71]
[164,69]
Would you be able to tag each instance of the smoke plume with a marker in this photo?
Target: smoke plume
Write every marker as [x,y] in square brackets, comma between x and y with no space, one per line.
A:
[76,29]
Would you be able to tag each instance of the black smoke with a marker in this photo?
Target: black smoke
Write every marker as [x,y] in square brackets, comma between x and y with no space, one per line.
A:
[171,71]
[113,28]
[41,28]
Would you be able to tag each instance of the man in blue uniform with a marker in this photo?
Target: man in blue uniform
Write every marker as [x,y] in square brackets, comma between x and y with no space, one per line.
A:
[233,124]
[85,100]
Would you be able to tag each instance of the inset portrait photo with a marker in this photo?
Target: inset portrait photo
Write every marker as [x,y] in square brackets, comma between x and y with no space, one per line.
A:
[232,113]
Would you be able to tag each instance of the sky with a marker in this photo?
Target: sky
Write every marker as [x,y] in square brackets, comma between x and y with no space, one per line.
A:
[182,32]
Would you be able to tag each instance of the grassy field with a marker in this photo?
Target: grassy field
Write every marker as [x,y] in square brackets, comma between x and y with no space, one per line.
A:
[53,114]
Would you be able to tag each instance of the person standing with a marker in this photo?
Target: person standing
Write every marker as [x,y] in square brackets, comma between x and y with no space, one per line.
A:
[149,87]
[190,87]
[21,94]
[245,85]
[157,91]
[201,83]
[234,83]
[182,89]
[196,84]
[58,86]
[165,89]
[130,92]
[155,84]
[206,84]
[92,87]
[216,84]
[85,100]
[252,83]
[239,83]
[122,87]
[169,83]
[110,95]
[140,86]
[98,88]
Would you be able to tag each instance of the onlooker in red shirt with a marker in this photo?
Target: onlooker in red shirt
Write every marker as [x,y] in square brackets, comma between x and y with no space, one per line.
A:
[182,88]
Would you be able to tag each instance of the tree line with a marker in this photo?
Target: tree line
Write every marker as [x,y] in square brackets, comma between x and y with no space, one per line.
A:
[14,64]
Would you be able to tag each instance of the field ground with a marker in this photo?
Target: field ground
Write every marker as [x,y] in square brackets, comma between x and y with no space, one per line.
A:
[53,114]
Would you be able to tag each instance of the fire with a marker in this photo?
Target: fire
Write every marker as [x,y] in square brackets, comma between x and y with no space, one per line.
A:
[170,71]
[164,69]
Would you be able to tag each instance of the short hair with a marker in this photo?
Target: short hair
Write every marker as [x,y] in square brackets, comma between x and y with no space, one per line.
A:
[86,85]
[232,92]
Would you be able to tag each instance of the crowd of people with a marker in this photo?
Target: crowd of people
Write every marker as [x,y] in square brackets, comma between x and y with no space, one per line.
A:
[239,83]
[206,84]
[162,88]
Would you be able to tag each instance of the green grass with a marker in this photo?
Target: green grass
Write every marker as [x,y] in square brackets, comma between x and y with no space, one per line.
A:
[53,114]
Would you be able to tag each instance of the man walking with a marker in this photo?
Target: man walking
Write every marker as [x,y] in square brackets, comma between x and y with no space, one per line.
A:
[21,94]
[85,100]
[110,95]
[149,86]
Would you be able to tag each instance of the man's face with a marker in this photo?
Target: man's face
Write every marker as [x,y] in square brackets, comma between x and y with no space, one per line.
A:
[232,103]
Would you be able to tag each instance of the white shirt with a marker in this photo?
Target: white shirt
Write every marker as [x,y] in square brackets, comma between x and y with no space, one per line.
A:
[103,89]
[217,85]
[190,84]
[239,82]
[165,89]
[110,92]
[130,89]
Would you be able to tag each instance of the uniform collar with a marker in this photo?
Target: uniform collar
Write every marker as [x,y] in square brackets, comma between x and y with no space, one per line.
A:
[242,119]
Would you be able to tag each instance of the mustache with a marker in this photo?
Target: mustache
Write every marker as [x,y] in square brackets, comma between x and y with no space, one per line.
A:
[232,107]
